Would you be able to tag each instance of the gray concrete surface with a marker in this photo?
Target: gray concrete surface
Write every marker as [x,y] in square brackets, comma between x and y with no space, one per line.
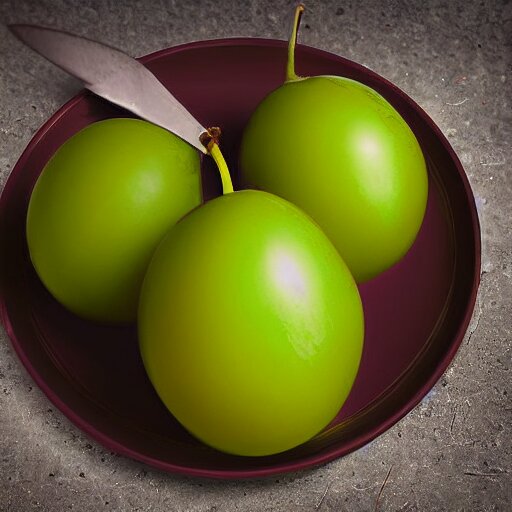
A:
[452,452]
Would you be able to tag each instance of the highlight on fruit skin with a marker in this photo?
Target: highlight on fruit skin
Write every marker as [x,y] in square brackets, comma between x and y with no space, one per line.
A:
[99,209]
[340,151]
[250,325]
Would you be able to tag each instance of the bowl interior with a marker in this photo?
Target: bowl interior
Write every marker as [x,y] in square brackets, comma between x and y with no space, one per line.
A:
[416,313]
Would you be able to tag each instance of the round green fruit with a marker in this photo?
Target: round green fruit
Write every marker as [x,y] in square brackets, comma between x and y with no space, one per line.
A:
[250,324]
[100,207]
[342,153]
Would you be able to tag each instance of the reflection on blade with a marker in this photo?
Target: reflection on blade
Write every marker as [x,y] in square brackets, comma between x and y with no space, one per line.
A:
[115,76]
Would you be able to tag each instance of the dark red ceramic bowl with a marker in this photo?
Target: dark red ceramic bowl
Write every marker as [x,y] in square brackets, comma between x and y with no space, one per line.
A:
[416,313]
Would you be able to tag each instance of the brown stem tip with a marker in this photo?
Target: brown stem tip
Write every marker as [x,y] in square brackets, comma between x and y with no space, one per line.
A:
[210,137]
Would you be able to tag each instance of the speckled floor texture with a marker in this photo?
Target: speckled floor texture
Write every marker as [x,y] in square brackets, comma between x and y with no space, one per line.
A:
[453,451]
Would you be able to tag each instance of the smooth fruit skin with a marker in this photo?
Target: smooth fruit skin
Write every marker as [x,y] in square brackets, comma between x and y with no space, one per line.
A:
[250,324]
[100,207]
[341,152]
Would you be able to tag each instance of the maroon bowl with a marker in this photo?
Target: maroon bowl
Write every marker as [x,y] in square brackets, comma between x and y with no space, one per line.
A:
[416,313]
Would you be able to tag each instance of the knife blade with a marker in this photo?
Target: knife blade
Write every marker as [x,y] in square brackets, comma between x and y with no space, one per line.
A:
[116,77]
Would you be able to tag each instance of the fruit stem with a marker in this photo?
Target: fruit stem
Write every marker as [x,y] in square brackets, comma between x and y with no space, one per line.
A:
[210,139]
[227,185]
[290,68]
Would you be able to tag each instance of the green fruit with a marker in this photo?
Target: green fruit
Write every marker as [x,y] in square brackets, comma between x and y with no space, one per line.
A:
[342,153]
[99,209]
[250,324]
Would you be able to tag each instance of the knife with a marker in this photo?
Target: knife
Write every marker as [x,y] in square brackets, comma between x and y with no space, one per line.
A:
[116,77]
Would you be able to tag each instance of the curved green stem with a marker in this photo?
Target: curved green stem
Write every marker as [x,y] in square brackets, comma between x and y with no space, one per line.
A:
[290,68]
[227,185]
[210,140]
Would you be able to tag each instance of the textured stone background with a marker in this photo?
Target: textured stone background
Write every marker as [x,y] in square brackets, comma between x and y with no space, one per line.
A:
[453,452]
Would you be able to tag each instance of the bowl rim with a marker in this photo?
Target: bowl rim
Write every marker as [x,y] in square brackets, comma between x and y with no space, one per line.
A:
[310,461]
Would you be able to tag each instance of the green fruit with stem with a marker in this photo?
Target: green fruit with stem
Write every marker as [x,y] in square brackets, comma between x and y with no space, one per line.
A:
[338,150]
[100,207]
[250,324]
